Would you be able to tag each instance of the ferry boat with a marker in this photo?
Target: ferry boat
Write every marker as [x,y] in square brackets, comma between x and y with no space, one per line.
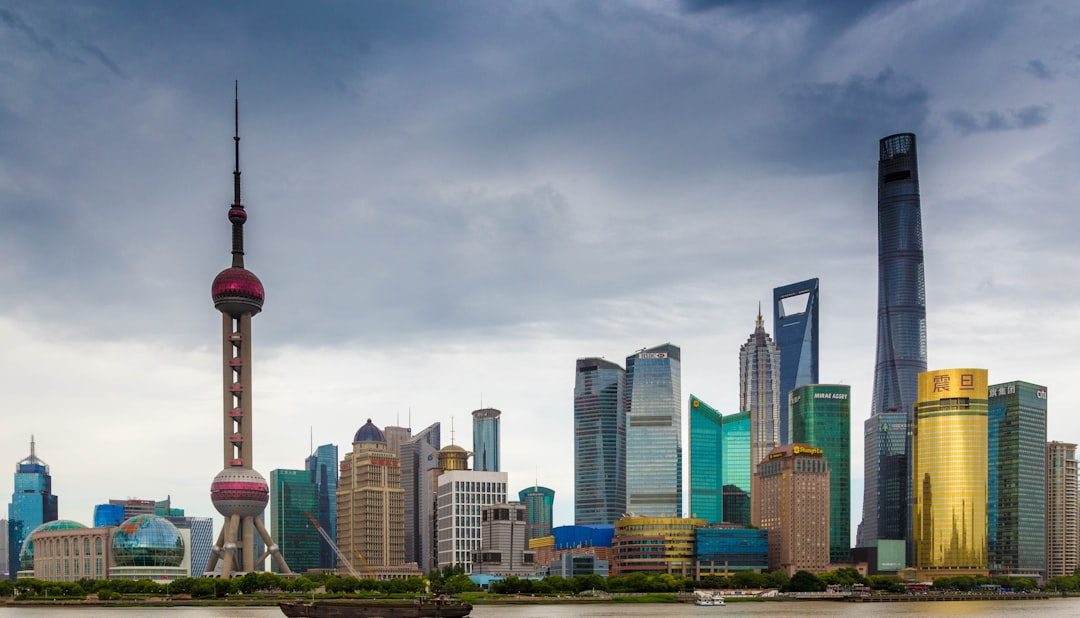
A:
[383,608]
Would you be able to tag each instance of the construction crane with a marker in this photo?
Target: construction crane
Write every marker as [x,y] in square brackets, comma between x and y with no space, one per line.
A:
[364,560]
[333,545]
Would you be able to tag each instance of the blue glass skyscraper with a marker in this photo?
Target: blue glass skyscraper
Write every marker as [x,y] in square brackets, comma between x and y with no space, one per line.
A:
[901,338]
[322,465]
[654,432]
[419,456]
[486,440]
[32,504]
[599,442]
[795,331]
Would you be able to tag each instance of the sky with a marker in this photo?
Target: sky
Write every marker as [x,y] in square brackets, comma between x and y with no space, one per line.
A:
[450,202]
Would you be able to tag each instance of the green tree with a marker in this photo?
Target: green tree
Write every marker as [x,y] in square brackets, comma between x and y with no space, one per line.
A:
[204,588]
[777,579]
[460,583]
[749,579]
[805,581]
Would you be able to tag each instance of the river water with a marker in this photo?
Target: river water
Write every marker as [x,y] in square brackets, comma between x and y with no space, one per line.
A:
[1050,608]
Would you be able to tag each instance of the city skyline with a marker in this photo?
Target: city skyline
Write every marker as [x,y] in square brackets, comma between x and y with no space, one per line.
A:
[467,212]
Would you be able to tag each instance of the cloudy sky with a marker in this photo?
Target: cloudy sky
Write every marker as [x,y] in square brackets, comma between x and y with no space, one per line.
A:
[450,202]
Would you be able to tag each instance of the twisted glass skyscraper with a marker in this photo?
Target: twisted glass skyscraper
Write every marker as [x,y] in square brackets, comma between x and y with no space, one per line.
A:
[901,340]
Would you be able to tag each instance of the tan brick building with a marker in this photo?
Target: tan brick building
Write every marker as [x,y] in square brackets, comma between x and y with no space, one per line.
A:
[790,499]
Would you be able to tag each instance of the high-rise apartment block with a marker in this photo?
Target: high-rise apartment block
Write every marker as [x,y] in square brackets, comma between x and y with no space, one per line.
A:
[1016,494]
[462,494]
[599,442]
[706,462]
[1062,510]
[32,504]
[294,501]
[795,330]
[371,505]
[821,417]
[791,500]
[901,339]
[486,439]
[654,432]
[949,474]
[504,548]
[539,502]
[419,458]
[759,391]
[322,466]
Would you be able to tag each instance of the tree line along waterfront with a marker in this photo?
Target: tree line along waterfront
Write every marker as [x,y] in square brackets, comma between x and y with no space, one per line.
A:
[453,580]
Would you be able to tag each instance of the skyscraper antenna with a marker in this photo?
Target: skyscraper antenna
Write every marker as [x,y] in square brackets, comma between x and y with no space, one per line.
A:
[311,440]
[451,430]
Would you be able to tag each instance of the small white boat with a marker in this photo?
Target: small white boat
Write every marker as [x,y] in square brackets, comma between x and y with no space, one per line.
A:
[708,599]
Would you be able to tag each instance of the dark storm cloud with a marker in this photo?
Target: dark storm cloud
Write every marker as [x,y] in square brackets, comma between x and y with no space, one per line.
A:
[830,126]
[101,57]
[1010,120]
[1039,69]
[16,23]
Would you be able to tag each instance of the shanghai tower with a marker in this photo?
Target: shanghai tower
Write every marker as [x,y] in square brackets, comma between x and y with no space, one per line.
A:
[901,340]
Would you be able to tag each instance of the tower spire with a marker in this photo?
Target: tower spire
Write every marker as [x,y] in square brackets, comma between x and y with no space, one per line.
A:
[760,320]
[237,215]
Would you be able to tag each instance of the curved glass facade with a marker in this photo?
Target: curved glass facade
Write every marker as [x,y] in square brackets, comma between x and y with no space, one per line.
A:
[538,502]
[706,462]
[486,440]
[901,330]
[736,468]
[821,417]
[949,472]
[599,442]
[26,552]
[654,545]
[654,432]
[147,541]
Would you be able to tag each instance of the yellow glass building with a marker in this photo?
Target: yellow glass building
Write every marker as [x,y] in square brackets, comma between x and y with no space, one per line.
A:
[655,545]
[949,473]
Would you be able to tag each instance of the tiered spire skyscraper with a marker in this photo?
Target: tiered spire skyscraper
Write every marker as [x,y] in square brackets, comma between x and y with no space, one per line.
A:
[759,391]
[238,492]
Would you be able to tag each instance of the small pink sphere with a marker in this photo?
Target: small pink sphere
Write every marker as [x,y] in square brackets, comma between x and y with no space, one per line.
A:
[237,215]
[239,491]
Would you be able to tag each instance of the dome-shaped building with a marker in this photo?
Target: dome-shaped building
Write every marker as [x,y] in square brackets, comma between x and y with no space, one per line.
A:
[369,433]
[148,547]
[26,553]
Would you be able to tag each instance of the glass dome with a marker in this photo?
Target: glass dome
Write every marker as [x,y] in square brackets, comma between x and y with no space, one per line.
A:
[26,554]
[147,540]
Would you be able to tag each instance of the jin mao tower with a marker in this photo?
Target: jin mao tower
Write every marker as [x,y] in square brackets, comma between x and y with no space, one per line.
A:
[238,492]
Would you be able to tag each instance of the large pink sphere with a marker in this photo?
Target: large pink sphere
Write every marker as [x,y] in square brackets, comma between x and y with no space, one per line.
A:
[239,491]
[237,291]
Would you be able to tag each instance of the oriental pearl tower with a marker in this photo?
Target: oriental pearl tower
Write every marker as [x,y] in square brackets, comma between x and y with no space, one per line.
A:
[238,492]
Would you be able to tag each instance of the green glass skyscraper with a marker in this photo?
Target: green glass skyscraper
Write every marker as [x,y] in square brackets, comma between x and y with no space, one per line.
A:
[736,470]
[292,497]
[706,462]
[1016,489]
[820,415]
